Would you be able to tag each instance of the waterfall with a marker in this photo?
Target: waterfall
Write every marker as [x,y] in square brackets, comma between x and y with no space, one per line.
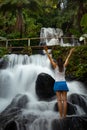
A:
[53,36]
[21,74]
[19,78]
[50,36]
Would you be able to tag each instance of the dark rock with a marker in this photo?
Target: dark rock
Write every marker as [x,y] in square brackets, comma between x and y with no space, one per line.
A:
[12,125]
[71,109]
[3,63]
[44,86]
[10,121]
[19,102]
[70,123]
[75,100]
[80,100]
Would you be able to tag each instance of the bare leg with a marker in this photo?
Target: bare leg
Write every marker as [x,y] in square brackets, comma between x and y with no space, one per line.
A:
[59,100]
[64,97]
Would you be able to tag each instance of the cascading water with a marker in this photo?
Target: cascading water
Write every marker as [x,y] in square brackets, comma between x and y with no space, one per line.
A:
[50,36]
[18,79]
[53,36]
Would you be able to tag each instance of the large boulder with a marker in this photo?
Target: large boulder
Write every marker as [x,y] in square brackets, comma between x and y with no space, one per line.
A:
[19,102]
[78,100]
[44,86]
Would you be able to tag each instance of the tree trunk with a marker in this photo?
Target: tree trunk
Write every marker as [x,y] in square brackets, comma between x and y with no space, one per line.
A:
[19,22]
[80,14]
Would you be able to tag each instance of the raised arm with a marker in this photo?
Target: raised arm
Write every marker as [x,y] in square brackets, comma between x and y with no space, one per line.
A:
[50,58]
[68,57]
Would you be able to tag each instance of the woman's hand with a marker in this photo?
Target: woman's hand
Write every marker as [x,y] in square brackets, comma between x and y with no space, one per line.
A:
[72,49]
[45,48]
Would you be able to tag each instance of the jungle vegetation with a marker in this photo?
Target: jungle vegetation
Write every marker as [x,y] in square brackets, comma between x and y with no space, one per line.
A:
[24,18]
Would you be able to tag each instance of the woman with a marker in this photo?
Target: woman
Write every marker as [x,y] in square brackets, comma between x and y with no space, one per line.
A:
[60,86]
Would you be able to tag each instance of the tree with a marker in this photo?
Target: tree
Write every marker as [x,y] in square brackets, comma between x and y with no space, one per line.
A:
[80,8]
[16,7]
[83,23]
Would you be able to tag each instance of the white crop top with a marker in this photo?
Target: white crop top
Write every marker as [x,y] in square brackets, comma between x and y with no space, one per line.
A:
[59,76]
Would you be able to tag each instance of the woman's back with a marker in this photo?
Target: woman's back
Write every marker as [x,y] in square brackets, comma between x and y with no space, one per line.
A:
[59,76]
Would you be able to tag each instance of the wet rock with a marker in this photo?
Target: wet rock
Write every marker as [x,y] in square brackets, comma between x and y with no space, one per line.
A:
[3,63]
[19,102]
[71,108]
[44,86]
[70,123]
[12,125]
[78,99]
[12,120]
[75,100]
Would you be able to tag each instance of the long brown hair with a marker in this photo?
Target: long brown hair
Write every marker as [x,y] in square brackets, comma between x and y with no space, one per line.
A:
[60,64]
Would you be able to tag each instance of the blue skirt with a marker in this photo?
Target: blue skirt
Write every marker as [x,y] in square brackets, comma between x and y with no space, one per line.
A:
[60,86]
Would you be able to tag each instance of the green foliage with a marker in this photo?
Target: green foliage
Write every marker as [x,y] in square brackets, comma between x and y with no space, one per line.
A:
[13,35]
[27,50]
[28,16]
[84,23]
[3,51]
[32,28]
[75,32]
[16,8]
[2,33]
[80,61]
